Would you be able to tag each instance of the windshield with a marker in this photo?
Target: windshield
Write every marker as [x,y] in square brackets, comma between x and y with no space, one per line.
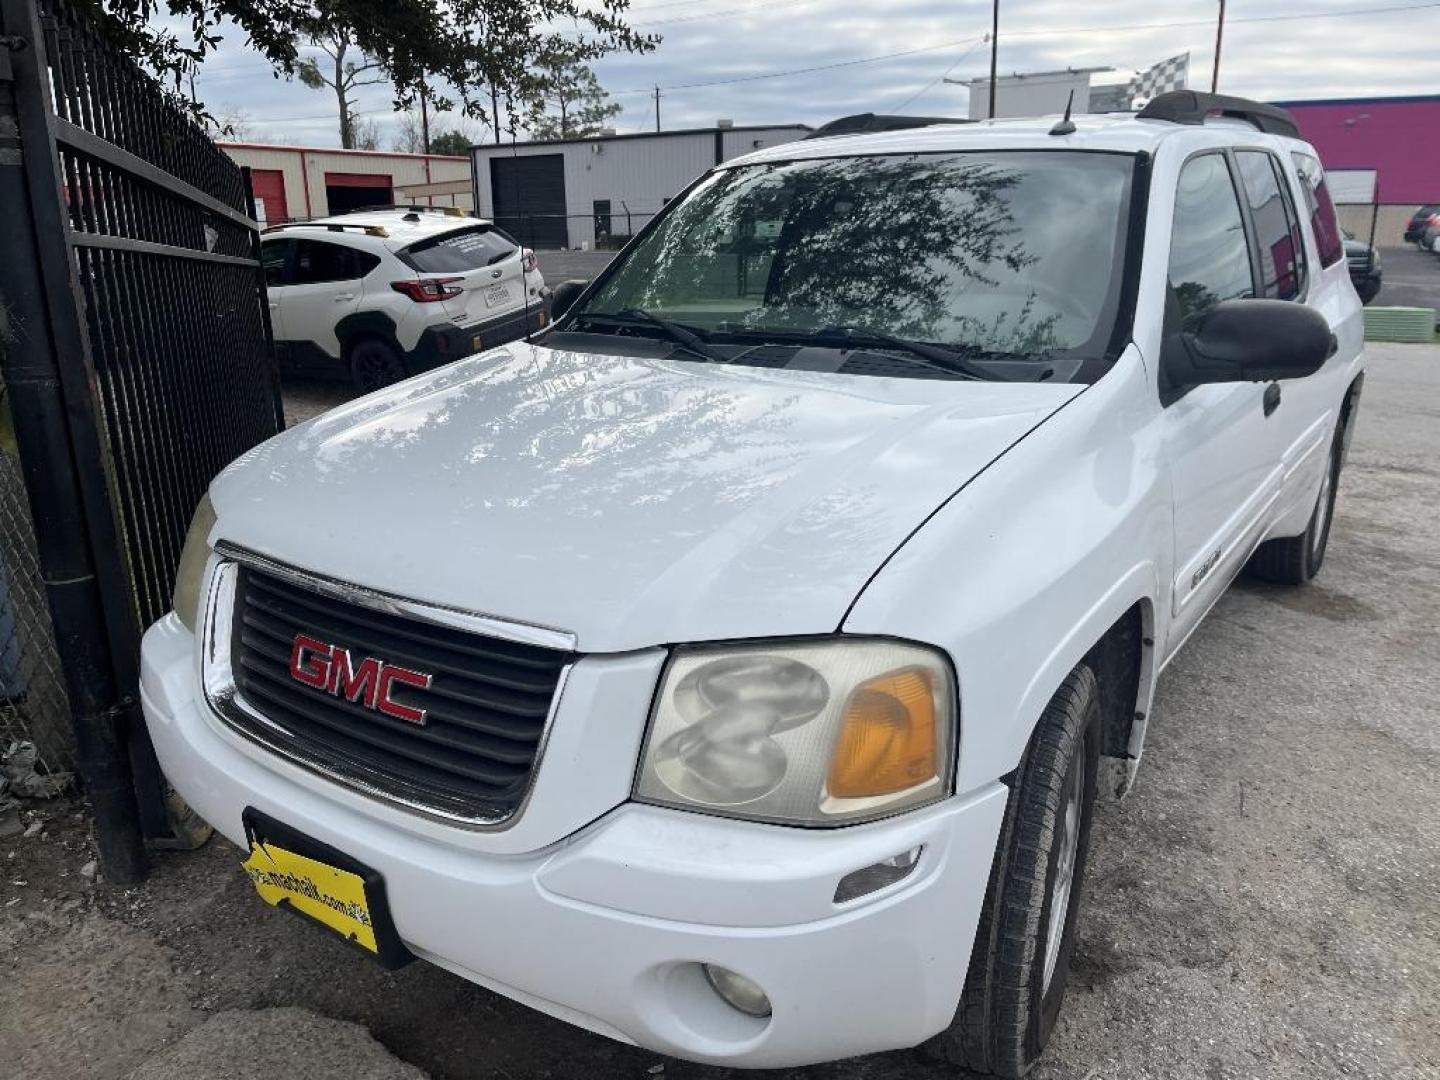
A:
[1015,254]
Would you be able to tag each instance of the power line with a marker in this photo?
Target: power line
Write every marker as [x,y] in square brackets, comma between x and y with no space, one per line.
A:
[801,71]
[753,9]
[933,82]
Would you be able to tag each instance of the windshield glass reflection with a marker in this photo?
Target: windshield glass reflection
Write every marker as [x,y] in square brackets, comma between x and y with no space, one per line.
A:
[1018,254]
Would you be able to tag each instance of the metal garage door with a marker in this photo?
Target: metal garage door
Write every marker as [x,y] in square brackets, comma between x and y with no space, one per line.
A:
[354,191]
[269,188]
[529,194]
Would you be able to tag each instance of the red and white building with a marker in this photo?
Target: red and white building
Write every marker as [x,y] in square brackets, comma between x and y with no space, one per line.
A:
[298,182]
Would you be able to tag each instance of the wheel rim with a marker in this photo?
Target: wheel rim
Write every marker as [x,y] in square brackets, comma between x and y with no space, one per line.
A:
[1322,511]
[1064,881]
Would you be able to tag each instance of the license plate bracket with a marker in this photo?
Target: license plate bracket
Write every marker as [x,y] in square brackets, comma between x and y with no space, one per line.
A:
[297,860]
[495,295]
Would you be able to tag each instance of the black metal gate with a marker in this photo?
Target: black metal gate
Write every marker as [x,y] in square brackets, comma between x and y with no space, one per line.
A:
[137,359]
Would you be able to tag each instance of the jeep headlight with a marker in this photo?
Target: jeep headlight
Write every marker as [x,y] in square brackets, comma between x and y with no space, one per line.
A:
[812,733]
[193,556]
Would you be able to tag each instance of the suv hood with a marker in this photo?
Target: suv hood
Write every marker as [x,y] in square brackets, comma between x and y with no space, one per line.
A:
[630,501]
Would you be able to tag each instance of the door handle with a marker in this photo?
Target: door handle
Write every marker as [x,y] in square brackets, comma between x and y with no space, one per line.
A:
[1272,398]
[341,297]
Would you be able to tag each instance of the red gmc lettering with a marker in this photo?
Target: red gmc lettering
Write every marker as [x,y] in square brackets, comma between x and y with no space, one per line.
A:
[354,684]
[332,669]
[312,670]
[390,675]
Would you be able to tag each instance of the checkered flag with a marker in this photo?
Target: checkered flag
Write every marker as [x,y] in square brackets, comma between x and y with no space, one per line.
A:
[1171,74]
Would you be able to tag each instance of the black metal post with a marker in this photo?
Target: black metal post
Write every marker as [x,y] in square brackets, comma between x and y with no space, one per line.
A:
[994,50]
[32,334]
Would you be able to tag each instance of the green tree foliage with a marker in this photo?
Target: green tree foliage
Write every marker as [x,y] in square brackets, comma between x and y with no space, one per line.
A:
[467,49]
[572,104]
[451,142]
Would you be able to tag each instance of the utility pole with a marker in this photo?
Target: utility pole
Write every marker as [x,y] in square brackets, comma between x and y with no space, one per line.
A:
[657,108]
[1219,36]
[424,118]
[994,50]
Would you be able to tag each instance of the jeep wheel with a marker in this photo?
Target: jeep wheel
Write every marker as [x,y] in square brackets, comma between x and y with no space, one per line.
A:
[1294,560]
[374,364]
[1020,962]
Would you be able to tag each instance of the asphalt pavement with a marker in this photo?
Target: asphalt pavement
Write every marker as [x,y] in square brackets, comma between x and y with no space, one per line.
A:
[1409,278]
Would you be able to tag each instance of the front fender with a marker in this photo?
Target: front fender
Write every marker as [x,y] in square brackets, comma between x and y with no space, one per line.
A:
[1020,574]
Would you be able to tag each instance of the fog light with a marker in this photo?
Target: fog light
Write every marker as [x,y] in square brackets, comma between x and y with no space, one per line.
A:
[738,991]
[860,883]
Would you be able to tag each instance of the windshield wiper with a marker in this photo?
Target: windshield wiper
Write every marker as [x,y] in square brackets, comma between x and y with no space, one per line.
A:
[935,356]
[682,336]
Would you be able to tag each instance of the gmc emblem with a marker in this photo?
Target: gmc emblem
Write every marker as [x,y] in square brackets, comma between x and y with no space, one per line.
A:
[332,669]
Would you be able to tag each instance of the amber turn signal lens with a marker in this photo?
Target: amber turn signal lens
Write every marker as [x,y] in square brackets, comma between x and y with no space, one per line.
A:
[888,737]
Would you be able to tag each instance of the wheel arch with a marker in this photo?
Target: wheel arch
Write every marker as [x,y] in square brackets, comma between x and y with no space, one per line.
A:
[360,325]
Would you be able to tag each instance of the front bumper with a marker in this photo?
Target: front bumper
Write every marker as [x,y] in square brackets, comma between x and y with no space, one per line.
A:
[604,928]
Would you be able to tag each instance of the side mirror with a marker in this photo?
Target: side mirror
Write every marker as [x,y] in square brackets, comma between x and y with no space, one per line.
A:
[1248,341]
[565,295]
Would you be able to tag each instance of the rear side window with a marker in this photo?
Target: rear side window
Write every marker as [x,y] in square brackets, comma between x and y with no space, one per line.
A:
[459,251]
[317,261]
[272,257]
[1209,261]
[1320,208]
[1278,240]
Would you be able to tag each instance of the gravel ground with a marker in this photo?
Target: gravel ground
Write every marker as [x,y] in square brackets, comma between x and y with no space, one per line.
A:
[1263,905]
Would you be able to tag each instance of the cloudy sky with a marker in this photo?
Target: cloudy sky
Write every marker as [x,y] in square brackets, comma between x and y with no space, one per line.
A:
[745,59]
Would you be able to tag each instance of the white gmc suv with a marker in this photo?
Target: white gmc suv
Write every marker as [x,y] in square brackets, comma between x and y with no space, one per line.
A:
[732,669]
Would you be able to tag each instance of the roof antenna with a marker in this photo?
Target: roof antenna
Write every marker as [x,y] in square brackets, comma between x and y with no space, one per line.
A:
[1065,126]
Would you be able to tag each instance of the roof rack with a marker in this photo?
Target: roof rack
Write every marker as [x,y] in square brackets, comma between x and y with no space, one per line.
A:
[331,226]
[1192,107]
[863,123]
[447,211]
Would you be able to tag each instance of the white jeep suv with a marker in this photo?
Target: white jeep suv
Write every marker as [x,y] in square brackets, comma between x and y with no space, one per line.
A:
[732,669]
[375,295]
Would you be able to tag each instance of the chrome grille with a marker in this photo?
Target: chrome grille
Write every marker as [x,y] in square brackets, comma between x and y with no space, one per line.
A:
[485,708]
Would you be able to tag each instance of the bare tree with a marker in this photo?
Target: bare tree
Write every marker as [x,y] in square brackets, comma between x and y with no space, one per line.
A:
[408,137]
[346,72]
[232,122]
[364,133]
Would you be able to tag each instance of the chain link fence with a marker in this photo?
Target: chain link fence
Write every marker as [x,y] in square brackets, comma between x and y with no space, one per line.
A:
[33,707]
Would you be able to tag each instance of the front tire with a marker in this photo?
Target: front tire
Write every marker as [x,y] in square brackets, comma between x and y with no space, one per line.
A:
[1294,560]
[1020,962]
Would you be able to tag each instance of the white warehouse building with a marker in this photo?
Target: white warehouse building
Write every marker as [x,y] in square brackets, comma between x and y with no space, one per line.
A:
[596,192]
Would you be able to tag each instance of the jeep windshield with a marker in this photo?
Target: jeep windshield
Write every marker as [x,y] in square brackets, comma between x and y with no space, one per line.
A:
[1012,263]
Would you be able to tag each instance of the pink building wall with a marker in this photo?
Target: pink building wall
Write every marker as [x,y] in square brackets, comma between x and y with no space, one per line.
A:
[1399,137]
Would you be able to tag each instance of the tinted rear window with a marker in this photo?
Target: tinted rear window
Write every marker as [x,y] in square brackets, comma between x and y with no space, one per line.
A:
[459,251]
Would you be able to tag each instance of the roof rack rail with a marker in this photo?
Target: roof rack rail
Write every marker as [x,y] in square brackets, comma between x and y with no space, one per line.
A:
[330,226]
[1192,107]
[447,211]
[863,123]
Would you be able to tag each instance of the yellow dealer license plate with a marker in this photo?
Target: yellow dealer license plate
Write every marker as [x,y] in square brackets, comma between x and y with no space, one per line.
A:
[294,872]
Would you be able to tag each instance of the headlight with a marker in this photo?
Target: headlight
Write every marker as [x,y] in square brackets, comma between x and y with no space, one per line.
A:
[815,733]
[186,597]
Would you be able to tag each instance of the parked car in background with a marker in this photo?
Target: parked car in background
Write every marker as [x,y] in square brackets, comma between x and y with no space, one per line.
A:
[1430,235]
[1415,227]
[1364,264]
[732,669]
[376,295]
